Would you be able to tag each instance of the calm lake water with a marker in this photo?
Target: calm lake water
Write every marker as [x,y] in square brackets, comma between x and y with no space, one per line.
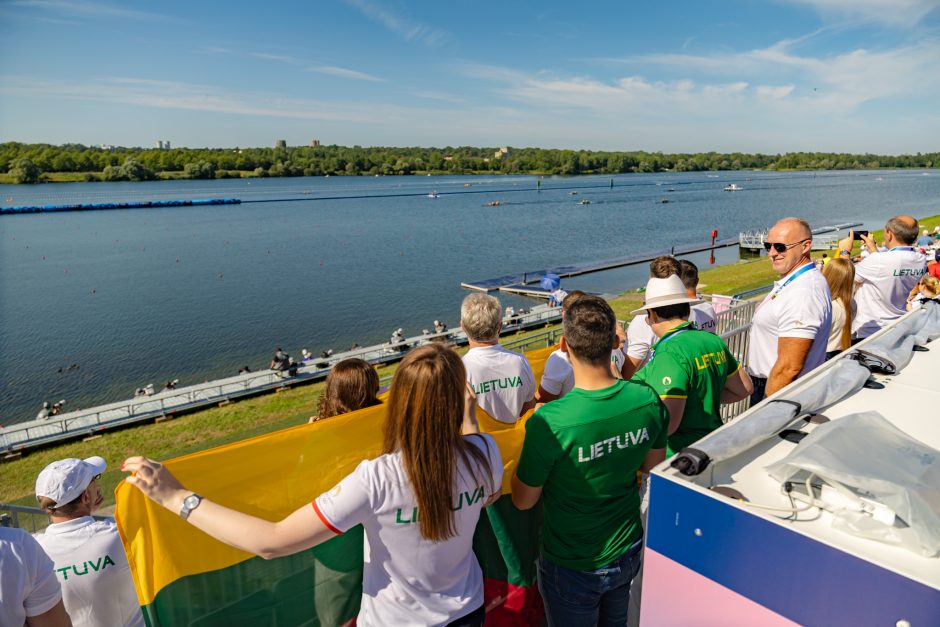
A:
[143,296]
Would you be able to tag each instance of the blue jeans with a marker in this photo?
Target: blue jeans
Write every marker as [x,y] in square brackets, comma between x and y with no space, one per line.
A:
[589,597]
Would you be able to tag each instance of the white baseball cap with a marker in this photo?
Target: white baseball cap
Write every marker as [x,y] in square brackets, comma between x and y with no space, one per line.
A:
[64,481]
[663,292]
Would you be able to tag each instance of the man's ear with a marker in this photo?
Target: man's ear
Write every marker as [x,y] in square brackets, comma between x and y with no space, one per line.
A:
[563,344]
[651,317]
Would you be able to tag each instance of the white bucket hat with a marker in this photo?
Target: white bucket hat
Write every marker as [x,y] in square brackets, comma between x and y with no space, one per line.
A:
[65,480]
[663,292]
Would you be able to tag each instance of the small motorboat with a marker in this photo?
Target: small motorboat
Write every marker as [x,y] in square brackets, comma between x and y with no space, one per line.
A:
[734,187]
[433,195]
[585,201]
[492,203]
[664,200]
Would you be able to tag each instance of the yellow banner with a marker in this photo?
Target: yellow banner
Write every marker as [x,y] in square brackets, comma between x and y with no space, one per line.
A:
[268,476]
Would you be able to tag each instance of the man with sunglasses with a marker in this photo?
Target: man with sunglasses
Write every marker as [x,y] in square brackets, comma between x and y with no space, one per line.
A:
[791,326]
[90,563]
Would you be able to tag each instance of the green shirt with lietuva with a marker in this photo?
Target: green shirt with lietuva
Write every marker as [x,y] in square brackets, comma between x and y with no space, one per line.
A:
[693,365]
[584,450]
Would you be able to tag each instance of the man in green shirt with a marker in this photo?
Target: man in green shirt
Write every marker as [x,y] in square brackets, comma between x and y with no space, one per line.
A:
[581,454]
[692,371]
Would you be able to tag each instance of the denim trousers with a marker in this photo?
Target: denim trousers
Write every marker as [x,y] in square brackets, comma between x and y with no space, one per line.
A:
[589,597]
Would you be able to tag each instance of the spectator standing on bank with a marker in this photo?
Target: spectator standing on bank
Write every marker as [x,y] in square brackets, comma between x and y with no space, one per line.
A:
[790,328]
[692,370]
[580,455]
[501,379]
[421,568]
[352,384]
[885,278]
[557,297]
[933,267]
[925,240]
[29,592]
[97,587]
[840,275]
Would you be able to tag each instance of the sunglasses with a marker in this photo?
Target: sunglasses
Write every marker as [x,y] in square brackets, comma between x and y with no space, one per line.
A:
[780,247]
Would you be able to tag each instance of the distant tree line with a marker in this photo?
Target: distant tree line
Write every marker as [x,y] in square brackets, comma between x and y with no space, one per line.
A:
[27,163]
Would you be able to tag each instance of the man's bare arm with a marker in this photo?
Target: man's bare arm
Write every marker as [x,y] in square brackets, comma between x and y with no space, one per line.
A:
[791,355]
[55,617]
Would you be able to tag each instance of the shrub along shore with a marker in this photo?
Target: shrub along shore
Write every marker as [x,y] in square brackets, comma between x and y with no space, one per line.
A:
[255,416]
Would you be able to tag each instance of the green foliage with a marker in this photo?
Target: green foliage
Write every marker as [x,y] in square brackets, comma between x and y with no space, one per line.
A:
[24,171]
[199,170]
[356,160]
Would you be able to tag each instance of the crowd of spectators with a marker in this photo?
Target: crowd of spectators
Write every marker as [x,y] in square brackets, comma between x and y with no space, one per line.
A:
[610,404]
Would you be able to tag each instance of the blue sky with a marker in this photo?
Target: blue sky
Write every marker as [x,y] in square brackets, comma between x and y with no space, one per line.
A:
[768,76]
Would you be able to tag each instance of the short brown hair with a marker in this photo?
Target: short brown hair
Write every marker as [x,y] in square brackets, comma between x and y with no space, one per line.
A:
[904,228]
[688,272]
[48,506]
[570,299]
[352,384]
[671,312]
[590,330]
[664,267]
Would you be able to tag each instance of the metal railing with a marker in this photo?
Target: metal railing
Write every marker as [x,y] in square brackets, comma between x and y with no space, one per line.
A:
[13,515]
[738,340]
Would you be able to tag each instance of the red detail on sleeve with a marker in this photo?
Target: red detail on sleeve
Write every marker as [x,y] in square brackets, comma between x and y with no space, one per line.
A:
[326,522]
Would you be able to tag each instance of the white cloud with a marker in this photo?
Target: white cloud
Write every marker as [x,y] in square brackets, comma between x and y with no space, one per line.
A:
[896,12]
[773,92]
[280,58]
[408,30]
[90,9]
[344,73]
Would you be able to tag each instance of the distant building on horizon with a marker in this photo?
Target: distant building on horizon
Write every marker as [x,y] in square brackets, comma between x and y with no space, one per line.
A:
[502,152]
[163,144]
[281,143]
[314,143]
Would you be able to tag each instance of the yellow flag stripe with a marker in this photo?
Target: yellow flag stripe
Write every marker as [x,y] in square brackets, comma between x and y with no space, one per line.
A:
[268,476]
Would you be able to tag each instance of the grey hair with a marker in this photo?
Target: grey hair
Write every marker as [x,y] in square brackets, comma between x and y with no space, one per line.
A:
[904,229]
[481,315]
[803,224]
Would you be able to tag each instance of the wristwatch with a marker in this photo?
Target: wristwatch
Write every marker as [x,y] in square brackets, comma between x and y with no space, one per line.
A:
[190,503]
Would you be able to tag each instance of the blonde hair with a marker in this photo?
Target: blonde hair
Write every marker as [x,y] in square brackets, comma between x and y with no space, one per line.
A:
[931,284]
[840,275]
[481,315]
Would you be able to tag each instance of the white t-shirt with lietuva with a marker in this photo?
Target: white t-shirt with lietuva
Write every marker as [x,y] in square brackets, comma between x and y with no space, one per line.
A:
[558,375]
[501,379]
[801,308]
[28,586]
[885,278]
[406,579]
[641,337]
[97,586]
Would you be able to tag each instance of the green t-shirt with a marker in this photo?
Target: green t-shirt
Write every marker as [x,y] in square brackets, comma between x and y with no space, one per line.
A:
[584,450]
[694,365]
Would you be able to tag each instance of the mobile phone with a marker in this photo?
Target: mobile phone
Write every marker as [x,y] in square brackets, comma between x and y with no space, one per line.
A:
[858,235]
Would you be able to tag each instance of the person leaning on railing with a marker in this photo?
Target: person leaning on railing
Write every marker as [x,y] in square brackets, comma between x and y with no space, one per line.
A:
[790,328]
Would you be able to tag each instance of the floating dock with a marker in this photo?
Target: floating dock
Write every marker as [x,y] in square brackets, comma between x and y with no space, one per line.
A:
[519,283]
[754,240]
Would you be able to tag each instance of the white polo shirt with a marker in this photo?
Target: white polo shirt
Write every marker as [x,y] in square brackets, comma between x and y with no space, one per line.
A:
[885,281]
[801,308]
[28,586]
[406,579]
[502,380]
[641,337]
[558,375]
[97,587]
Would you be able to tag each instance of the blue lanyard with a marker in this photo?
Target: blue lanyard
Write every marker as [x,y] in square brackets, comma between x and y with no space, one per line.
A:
[668,337]
[901,248]
[806,268]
